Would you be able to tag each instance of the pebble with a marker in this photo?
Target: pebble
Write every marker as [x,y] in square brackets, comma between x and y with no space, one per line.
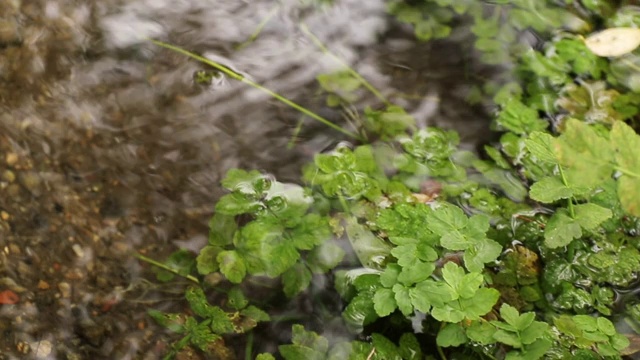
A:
[4,215]
[9,31]
[8,176]
[42,348]
[32,182]
[11,159]
[77,249]
[65,289]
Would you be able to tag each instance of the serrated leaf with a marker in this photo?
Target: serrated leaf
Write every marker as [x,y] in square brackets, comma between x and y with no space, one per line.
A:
[420,298]
[481,332]
[451,335]
[469,284]
[236,204]
[540,145]
[482,252]
[550,189]
[536,330]
[325,257]
[519,118]
[561,230]
[310,339]
[385,349]
[206,262]
[508,338]
[446,218]
[590,215]
[613,42]
[403,299]
[255,313]
[410,347]
[296,280]
[415,272]
[384,302]
[479,305]
[587,154]
[624,138]
[232,266]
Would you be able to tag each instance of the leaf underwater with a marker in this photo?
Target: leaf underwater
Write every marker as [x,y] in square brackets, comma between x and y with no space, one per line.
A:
[613,42]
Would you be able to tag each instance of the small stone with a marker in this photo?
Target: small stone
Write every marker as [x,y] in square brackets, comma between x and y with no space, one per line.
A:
[9,32]
[11,159]
[4,215]
[42,348]
[43,285]
[14,249]
[77,249]
[8,176]
[65,289]
[32,182]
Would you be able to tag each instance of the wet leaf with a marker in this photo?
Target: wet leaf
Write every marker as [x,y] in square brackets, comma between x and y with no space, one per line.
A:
[451,335]
[613,42]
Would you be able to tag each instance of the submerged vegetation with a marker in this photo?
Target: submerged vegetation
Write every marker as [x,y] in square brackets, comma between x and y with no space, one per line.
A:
[528,250]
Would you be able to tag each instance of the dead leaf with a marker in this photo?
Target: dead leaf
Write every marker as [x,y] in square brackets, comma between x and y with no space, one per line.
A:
[613,42]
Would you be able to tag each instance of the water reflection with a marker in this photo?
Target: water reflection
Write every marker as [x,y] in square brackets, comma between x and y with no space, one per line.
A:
[108,145]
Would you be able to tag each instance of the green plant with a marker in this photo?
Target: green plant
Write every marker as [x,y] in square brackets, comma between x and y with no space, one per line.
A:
[520,252]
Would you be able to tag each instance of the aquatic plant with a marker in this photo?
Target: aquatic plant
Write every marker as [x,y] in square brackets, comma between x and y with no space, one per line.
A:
[523,252]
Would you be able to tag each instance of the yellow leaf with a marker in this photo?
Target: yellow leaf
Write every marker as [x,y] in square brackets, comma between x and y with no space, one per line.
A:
[614,42]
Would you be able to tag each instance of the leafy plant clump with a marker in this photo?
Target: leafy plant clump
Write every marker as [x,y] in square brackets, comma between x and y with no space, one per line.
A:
[525,251]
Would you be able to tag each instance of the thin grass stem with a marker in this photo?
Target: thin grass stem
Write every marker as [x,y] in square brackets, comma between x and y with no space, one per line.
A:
[164,267]
[239,77]
[351,71]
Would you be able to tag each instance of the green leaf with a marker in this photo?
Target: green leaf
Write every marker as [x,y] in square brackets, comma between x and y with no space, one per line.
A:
[560,230]
[232,266]
[410,347]
[482,252]
[370,249]
[480,304]
[255,313]
[481,332]
[508,338]
[296,280]
[519,118]
[468,285]
[536,330]
[385,349]
[446,218]
[419,296]
[309,338]
[587,154]
[451,335]
[312,230]
[324,257]
[540,145]
[236,204]
[221,229]
[173,322]
[628,194]
[384,302]
[590,216]
[206,262]
[265,356]
[403,299]
[550,189]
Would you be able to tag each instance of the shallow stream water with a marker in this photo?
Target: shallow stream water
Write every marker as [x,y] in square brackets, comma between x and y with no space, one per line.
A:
[108,145]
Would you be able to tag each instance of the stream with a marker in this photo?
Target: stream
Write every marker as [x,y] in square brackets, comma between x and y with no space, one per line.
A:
[109,145]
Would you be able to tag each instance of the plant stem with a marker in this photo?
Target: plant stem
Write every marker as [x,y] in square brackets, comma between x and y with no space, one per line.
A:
[569,200]
[165,267]
[351,71]
[261,26]
[248,351]
[239,77]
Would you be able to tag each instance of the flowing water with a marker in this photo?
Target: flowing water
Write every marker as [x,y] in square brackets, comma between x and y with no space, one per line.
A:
[108,145]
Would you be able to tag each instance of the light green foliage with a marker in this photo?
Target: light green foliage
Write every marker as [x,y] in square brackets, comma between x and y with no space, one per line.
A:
[209,322]
[429,152]
[348,173]
[519,119]
[306,345]
[180,262]
[341,87]
[588,332]
[388,123]
[457,232]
